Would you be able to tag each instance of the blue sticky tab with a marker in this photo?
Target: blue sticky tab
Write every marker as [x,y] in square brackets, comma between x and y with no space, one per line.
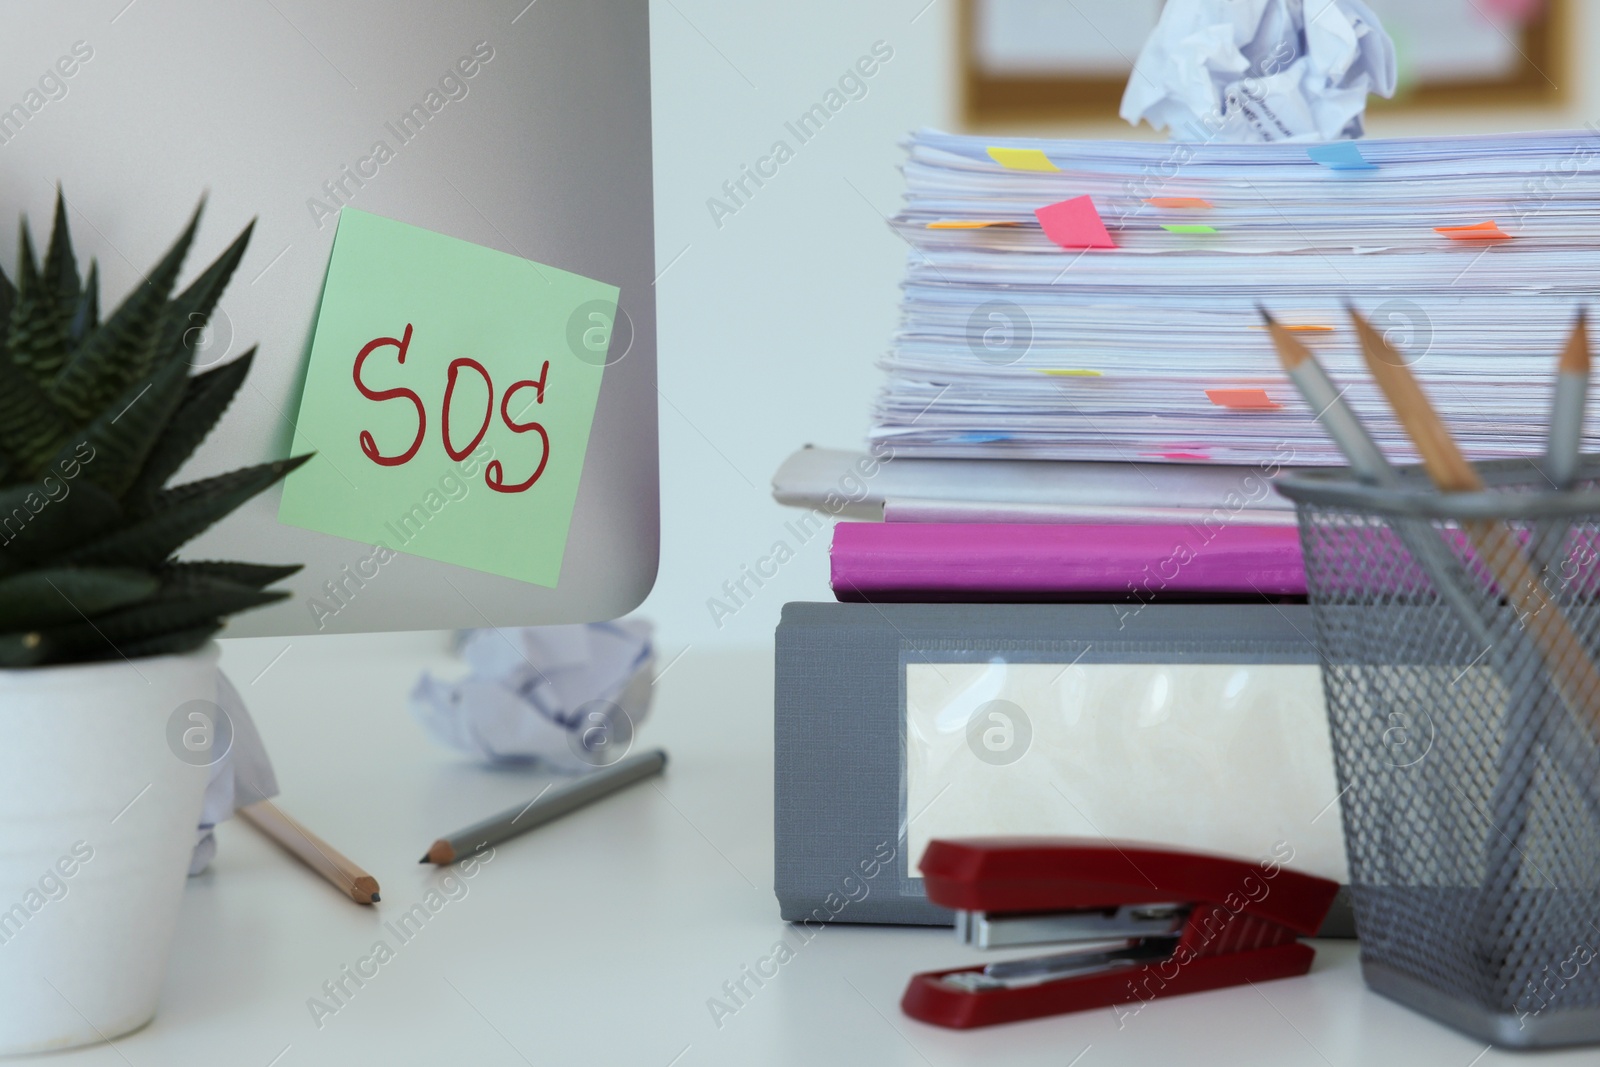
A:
[1339,155]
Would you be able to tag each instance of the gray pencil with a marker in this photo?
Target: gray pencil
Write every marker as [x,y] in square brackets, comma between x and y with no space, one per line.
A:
[549,805]
[1370,465]
[1366,459]
[1565,443]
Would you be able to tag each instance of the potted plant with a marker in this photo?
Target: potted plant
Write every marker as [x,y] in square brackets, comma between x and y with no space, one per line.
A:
[105,638]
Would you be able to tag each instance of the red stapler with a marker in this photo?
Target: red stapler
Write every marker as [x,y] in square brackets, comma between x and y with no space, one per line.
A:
[1153,922]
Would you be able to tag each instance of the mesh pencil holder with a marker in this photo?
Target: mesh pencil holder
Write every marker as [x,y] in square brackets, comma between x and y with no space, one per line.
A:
[1459,643]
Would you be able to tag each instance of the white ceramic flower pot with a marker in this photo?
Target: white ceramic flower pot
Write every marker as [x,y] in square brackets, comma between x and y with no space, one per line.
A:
[97,820]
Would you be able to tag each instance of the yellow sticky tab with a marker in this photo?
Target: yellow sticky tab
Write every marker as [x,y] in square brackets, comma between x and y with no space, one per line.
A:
[1068,373]
[1021,158]
[967,224]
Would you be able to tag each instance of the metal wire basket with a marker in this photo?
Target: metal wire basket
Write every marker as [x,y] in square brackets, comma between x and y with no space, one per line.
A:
[1459,641]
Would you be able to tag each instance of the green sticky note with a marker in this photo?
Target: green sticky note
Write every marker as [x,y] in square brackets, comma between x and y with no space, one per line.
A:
[1187,227]
[448,400]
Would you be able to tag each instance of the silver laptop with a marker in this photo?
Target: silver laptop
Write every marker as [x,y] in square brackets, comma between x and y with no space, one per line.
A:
[275,108]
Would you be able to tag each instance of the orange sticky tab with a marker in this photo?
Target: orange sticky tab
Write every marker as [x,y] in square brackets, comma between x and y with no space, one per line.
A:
[1074,224]
[1243,399]
[968,224]
[1481,231]
[1304,328]
[1177,201]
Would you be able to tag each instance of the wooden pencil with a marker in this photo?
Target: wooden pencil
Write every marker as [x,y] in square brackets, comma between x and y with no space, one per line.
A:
[312,850]
[1370,465]
[1565,657]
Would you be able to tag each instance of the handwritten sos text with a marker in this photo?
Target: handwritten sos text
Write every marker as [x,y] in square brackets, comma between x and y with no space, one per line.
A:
[494,475]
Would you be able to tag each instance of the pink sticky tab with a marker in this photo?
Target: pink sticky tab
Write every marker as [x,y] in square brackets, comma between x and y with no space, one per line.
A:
[1243,399]
[1074,224]
[1182,456]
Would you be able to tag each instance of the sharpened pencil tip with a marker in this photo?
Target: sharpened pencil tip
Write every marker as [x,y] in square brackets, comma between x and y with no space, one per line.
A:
[1291,353]
[1575,356]
[423,860]
[376,898]
[1375,351]
[1266,316]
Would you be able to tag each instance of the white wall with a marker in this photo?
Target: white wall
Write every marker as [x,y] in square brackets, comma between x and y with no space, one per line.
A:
[770,323]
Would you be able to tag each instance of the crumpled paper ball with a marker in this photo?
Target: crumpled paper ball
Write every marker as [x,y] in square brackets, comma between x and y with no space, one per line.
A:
[567,697]
[1260,70]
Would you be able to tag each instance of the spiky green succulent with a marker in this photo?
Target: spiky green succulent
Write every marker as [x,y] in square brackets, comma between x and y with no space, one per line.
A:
[95,418]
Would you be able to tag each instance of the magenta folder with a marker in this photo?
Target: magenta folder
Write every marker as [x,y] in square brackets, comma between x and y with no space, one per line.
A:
[1038,561]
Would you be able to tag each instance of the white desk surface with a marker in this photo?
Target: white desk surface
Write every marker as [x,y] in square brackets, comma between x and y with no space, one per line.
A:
[600,938]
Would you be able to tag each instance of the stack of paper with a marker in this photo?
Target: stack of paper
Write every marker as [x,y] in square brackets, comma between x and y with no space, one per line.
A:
[1038,334]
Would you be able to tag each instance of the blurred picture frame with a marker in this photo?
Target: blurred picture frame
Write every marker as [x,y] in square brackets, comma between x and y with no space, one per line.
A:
[1033,62]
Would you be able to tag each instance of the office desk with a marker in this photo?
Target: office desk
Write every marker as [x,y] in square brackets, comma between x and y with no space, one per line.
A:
[603,938]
